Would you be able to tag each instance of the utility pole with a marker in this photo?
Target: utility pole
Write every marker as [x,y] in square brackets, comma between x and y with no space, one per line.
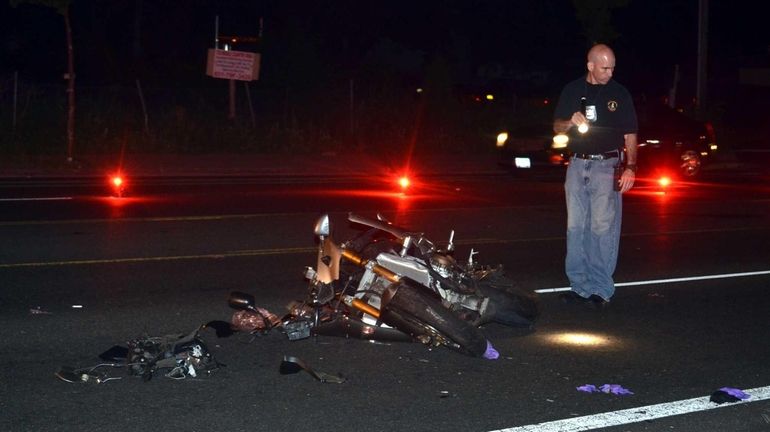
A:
[701,81]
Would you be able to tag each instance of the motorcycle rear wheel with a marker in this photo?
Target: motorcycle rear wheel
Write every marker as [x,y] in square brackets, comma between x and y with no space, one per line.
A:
[417,312]
[509,304]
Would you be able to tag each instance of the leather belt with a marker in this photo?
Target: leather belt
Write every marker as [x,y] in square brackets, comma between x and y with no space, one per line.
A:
[601,156]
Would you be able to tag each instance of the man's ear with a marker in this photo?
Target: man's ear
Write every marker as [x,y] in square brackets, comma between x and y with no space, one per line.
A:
[590,66]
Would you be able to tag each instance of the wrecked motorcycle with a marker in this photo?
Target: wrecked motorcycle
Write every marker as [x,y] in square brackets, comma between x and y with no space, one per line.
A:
[479,293]
[392,284]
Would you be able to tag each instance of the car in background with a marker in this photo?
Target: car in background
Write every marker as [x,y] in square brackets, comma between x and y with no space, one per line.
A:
[670,144]
[672,141]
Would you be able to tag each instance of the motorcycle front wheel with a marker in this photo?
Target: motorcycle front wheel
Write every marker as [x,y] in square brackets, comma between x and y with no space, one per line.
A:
[422,315]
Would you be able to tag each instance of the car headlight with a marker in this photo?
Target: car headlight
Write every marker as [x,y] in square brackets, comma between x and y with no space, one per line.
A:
[502,137]
[560,141]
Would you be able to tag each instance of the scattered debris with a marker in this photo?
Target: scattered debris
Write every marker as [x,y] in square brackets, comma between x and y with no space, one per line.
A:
[292,365]
[605,388]
[253,321]
[86,375]
[491,353]
[38,311]
[728,394]
[615,389]
[182,355]
[298,329]
[588,388]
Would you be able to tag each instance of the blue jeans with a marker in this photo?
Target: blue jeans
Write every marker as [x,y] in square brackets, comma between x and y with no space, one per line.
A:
[594,212]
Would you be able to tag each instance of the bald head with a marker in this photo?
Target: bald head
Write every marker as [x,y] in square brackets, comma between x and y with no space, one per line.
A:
[600,64]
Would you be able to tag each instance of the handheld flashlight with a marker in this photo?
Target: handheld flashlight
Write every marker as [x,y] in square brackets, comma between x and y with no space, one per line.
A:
[583,127]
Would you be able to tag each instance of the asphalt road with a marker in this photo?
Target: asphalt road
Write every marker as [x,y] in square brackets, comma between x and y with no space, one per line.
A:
[81,272]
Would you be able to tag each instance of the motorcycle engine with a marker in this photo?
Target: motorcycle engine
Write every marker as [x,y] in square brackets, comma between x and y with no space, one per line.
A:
[444,265]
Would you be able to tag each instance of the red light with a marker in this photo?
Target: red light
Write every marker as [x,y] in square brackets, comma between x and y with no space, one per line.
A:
[404,182]
[118,185]
[546,102]
[664,182]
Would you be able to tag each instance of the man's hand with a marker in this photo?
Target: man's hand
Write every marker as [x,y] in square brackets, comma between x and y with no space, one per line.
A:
[627,180]
[564,125]
[578,118]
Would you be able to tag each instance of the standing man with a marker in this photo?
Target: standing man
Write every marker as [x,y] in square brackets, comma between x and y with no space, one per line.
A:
[598,116]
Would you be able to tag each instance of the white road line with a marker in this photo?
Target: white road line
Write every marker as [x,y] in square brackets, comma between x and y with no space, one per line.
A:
[635,415]
[37,199]
[664,281]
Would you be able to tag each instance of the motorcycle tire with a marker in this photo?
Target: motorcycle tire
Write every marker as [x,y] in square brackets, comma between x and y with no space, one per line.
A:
[419,313]
[508,304]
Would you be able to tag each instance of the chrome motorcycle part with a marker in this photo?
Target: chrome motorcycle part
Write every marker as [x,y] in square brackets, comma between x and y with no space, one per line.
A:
[373,266]
[406,245]
[361,306]
[470,258]
[310,273]
[444,265]
[322,226]
[406,266]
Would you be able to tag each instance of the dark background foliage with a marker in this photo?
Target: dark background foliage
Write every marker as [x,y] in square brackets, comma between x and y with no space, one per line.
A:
[344,74]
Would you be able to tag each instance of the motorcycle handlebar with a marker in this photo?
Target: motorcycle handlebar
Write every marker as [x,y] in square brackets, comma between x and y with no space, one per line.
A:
[425,245]
[380,225]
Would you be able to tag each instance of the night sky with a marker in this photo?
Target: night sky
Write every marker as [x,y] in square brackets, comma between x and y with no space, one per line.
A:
[167,40]
[539,42]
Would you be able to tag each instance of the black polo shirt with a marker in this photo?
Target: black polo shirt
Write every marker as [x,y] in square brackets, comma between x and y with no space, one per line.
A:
[615,115]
